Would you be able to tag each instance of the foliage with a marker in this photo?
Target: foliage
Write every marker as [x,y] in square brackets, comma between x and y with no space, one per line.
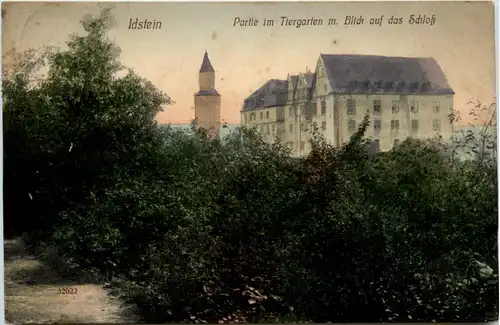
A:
[198,229]
[74,132]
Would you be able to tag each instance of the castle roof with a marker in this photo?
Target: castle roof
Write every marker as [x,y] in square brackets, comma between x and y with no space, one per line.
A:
[206,66]
[355,73]
[272,93]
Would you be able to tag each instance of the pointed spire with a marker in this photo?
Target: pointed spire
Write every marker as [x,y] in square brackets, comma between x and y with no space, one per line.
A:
[206,66]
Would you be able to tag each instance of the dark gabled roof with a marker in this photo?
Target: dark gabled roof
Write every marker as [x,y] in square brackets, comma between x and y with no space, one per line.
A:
[272,93]
[206,66]
[207,92]
[354,73]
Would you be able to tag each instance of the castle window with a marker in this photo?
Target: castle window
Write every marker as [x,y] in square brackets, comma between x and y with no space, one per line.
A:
[394,125]
[351,107]
[267,115]
[414,106]
[351,125]
[436,125]
[323,125]
[261,115]
[414,125]
[435,107]
[267,129]
[395,106]
[377,107]
[323,107]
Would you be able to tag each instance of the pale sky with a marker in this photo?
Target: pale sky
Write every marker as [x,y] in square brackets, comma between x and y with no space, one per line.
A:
[244,58]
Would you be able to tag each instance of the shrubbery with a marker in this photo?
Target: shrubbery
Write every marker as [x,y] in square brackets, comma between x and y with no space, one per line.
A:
[200,229]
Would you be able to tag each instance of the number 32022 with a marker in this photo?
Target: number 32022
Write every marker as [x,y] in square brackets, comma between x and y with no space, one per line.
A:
[67,291]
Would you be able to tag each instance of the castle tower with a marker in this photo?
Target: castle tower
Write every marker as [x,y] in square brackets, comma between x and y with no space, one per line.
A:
[207,99]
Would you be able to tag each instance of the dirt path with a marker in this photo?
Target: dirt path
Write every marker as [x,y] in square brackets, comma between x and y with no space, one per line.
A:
[31,294]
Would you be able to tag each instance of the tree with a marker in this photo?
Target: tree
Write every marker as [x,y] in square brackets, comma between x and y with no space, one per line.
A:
[75,130]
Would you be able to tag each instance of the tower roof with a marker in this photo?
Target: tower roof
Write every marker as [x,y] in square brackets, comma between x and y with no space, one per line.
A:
[206,66]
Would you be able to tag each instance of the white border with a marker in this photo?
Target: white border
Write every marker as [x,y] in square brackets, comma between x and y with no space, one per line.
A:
[497,39]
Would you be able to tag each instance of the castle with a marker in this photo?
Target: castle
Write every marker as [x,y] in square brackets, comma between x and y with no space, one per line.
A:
[207,100]
[403,96]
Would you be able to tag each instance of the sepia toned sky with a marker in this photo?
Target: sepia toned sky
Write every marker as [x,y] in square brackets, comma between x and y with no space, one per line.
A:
[461,40]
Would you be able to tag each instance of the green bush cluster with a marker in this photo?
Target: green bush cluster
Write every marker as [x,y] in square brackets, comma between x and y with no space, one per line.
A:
[197,229]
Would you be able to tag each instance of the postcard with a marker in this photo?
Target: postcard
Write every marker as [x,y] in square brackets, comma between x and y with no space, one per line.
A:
[254,162]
